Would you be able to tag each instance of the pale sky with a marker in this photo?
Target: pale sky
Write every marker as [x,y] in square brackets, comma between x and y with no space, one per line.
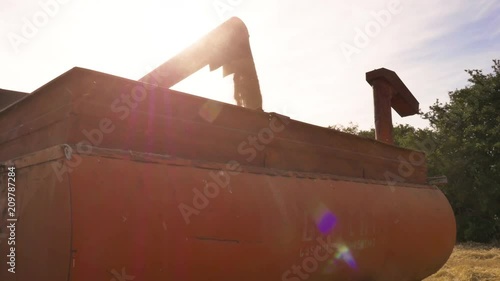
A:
[297,46]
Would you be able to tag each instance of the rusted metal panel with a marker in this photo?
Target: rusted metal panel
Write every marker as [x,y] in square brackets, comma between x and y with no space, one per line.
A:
[168,122]
[258,225]
[39,157]
[202,164]
[165,217]
[9,97]
[44,137]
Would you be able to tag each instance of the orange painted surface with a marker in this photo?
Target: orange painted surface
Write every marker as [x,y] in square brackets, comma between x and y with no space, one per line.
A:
[310,203]
[126,222]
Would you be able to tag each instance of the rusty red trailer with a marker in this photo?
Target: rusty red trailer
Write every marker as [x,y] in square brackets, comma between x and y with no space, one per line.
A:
[119,179]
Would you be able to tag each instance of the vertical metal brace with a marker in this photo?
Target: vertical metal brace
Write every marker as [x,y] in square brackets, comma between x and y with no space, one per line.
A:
[389,92]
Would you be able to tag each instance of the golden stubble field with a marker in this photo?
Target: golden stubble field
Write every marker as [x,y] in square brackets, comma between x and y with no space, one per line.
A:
[471,262]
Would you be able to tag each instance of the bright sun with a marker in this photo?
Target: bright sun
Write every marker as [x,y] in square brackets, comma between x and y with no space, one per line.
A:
[171,36]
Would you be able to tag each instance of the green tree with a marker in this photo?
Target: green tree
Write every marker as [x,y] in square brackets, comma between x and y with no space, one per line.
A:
[468,133]
[354,129]
[406,136]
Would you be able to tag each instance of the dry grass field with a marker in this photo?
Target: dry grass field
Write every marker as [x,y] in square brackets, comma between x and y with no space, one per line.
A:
[471,262]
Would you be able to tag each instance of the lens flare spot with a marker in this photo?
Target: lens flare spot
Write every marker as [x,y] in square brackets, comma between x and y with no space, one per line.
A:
[327,223]
[343,253]
[210,110]
[325,219]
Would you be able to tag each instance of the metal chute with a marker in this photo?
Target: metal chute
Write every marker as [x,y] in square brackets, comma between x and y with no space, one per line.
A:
[228,47]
